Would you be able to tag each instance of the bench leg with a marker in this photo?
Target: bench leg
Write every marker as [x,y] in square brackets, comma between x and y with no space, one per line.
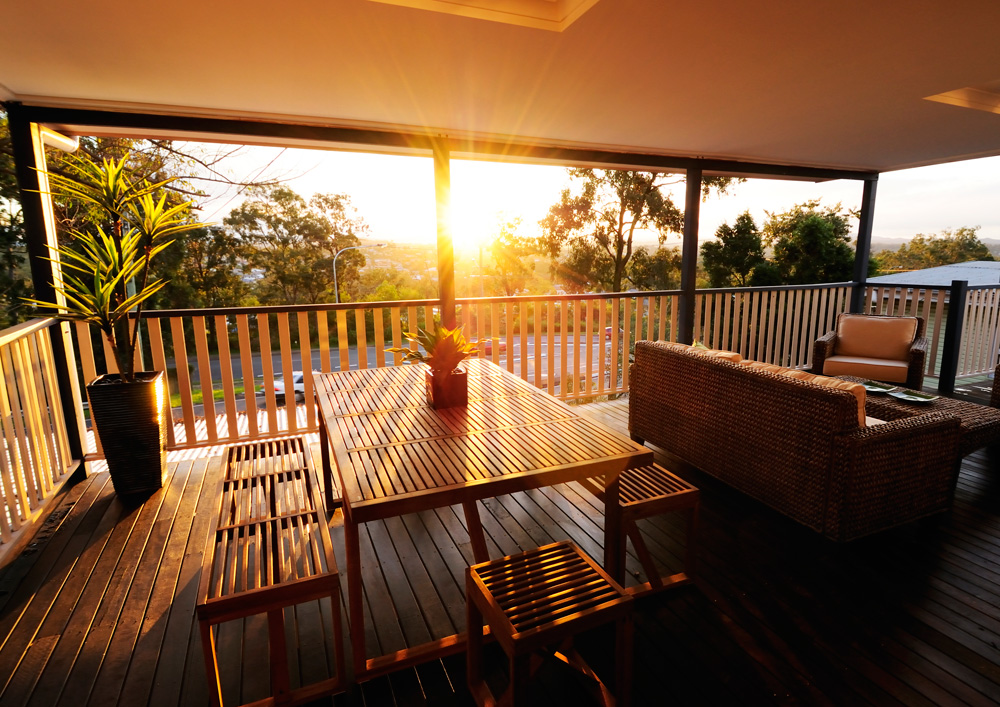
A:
[280,684]
[623,662]
[355,603]
[211,663]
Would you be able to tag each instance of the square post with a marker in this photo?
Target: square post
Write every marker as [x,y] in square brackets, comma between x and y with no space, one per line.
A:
[445,248]
[862,252]
[41,241]
[952,345]
[689,255]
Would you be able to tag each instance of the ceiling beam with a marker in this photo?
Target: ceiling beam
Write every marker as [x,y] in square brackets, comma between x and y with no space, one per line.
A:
[90,121]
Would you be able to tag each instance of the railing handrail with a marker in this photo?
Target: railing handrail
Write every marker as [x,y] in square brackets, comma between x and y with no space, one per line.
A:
[23,329]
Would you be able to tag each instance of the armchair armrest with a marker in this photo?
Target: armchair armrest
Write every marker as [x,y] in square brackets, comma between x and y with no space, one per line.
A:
[887,475]
[995,398]
[915,368]
[822,348]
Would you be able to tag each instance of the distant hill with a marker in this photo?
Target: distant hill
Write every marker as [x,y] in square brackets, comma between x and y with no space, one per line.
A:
[893,244]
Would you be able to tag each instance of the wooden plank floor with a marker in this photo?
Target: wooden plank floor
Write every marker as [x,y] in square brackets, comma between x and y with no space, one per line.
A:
[100,609]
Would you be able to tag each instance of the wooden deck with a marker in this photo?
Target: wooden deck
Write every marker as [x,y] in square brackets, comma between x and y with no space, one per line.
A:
[100,609]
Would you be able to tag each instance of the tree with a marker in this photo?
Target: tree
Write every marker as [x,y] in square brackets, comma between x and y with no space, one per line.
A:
[510,252]
[599,222]
[660,270]
[292,243]
[811,244]
[732,259]
[928,251]
[204,268]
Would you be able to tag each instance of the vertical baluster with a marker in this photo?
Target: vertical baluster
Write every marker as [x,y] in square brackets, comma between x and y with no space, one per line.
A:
[246,364]
[205,378]
[183,379]
[226,375]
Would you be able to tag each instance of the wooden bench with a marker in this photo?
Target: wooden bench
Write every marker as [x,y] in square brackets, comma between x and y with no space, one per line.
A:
[648,491]
[272,549]
[539,599]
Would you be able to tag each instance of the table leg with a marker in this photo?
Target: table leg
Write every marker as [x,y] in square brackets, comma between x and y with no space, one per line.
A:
[355,607]
[324,451]
[475,525]
[614,535]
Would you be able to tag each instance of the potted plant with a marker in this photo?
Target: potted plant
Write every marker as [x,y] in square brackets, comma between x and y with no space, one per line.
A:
[105,282]
[443,350]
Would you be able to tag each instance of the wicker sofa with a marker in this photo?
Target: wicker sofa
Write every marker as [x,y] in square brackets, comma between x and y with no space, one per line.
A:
[792,444]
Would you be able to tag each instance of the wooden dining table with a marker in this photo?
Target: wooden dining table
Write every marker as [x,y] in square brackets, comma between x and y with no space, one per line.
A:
[394,454]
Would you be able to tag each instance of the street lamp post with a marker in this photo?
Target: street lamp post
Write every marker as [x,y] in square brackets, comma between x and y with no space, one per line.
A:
[336,290]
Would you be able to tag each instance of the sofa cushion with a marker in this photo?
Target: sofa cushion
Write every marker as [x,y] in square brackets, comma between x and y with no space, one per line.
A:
[875,368]
[875,337]
[702,350]
[856,389]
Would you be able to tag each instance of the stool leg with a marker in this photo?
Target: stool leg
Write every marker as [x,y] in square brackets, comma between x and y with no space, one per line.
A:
[520,673]
[623,662]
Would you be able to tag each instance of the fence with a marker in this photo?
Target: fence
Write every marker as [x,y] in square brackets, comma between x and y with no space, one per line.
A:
[35,458]
[978,352]
[222,364]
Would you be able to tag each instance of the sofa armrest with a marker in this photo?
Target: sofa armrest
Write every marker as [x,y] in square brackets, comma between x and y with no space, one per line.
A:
[822,348]
[890,474]
[915,367]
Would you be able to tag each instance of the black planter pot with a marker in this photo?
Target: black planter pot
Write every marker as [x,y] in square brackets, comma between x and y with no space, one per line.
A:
[447,391]
[130,421]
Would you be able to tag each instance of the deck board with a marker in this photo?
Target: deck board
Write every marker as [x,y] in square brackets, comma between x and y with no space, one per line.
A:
[100,608]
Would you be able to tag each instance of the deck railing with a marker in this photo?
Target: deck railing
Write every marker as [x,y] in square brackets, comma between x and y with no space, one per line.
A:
[978,352]
[576,347]
[35,458]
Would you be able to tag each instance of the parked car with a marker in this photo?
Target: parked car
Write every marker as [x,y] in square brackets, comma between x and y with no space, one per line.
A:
[298,386]
[488,347]
[610,330]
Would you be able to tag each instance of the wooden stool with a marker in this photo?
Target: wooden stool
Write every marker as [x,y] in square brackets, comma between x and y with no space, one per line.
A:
[543,598]
[272,549]
[648,491]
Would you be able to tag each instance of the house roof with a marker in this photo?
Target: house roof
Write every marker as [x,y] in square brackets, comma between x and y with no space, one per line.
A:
[976,272]
[839,86]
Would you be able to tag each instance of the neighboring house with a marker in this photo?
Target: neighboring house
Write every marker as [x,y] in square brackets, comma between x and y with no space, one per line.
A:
[975,272]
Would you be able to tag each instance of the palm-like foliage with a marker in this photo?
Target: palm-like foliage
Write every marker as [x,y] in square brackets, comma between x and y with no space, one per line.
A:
[99,264]
[443,348]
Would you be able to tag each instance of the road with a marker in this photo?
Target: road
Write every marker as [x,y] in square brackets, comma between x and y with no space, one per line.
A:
[514,349]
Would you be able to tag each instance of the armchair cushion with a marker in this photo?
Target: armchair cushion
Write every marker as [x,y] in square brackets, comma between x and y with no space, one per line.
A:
[874,368]
[875,337]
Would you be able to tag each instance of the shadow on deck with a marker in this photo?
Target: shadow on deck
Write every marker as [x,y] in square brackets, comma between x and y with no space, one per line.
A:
[100,608]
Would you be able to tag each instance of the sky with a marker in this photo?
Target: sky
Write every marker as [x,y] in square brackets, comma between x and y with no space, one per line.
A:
[395,194]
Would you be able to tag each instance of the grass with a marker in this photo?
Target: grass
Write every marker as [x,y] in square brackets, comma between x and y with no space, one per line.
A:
[197,398]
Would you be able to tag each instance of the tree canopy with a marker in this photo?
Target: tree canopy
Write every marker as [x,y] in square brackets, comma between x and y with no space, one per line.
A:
[811,244]
[510,267]
[928,251]
[291,244]
[731,260]
[598,223]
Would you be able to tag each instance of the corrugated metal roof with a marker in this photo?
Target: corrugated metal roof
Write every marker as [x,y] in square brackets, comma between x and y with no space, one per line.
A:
[977,272]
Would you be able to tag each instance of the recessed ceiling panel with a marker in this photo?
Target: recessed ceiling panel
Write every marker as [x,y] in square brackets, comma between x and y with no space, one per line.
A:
[555,15]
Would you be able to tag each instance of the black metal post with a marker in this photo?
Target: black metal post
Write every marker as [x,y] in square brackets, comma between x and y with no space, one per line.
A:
[445,248]
[689,255]
[862,253]
[40,237]
[953,336]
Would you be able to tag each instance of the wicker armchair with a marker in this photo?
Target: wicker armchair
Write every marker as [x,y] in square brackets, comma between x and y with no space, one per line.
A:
[856,347]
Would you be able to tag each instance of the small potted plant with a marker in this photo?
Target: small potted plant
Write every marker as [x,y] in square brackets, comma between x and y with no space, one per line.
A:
[442,349]
[105,280]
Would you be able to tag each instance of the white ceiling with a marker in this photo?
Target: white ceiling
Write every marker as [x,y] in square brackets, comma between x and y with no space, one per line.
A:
[826,84]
